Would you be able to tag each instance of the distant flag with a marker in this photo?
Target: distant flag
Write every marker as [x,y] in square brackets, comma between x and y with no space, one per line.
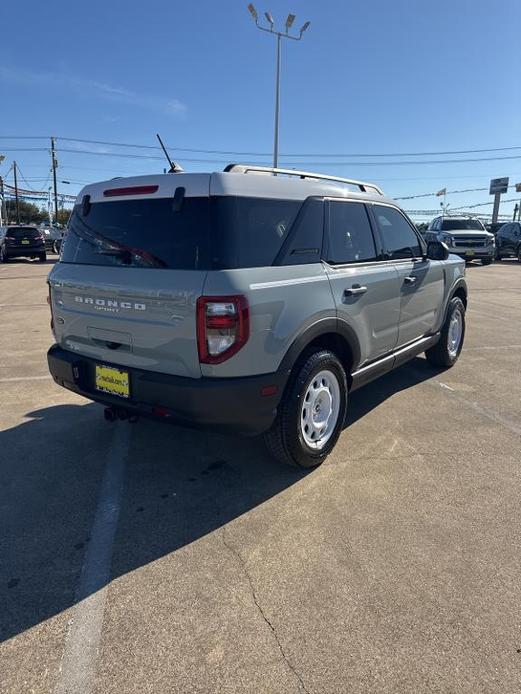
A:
[518,187]
[443,191]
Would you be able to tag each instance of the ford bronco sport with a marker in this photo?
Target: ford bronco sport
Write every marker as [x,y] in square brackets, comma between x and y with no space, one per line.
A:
[252,300]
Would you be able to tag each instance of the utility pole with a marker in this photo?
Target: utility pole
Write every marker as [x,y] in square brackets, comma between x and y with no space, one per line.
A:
[16,194]
[3,206]
[280,35]
[54,167]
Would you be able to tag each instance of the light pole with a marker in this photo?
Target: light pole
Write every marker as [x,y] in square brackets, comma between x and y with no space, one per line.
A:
[280,35]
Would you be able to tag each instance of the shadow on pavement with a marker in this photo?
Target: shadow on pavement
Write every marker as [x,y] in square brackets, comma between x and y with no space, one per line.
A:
[179,485]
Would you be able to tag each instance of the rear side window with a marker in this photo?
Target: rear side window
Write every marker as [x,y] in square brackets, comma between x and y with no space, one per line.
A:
[398,237]
[140,233]
[249,232]
[350,238]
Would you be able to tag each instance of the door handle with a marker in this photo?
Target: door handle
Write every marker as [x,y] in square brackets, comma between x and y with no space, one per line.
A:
[409,279]
[354,290]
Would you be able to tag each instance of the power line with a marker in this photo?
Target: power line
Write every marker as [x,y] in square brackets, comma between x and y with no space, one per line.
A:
[267,154]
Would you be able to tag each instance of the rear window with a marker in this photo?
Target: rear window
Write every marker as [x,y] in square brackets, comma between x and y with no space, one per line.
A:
[202,233]
[22,232]
[462,224]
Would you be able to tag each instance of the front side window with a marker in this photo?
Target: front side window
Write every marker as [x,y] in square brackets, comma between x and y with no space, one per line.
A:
[398,237]
[350,235]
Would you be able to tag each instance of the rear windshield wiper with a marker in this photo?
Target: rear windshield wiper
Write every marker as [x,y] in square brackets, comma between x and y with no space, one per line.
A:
[126,253]
[114,247]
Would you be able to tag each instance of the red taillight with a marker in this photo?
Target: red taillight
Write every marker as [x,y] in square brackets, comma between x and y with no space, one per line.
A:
[223,327]
[132,190]
[10,238]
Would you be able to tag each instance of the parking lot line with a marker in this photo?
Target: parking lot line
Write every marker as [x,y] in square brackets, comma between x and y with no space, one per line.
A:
[78,667]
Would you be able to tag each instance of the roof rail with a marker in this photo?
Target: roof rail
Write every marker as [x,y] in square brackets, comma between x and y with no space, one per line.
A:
[246,168]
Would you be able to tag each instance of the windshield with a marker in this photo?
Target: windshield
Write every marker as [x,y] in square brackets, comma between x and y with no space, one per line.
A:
[203,233]
[461,224]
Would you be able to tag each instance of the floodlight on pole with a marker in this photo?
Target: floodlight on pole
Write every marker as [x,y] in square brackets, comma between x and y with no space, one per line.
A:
[280,35]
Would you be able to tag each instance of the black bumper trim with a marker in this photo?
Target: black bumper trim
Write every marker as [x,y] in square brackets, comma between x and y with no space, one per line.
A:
[233,405]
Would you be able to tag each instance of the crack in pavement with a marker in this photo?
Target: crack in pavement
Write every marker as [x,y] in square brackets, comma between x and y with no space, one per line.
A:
[238,556]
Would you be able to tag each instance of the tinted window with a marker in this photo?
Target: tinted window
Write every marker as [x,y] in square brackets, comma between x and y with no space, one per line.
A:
[249,232]
[304,243]
[201,233]
[22,232]
[398,237]
[505,229]
[350,239]
[455,224]
[140,233]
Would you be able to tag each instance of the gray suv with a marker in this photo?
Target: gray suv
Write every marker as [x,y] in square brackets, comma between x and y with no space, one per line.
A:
[465,236]
[252,300]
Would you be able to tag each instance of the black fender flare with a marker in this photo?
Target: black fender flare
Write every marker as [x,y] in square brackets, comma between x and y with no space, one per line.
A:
[323,326]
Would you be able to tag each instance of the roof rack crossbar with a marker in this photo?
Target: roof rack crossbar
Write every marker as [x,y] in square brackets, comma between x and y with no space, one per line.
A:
[246,168]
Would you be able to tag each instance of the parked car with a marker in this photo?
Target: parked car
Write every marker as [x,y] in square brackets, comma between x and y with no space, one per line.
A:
[465,236]
[508,241]
[494,227]
[22,241]
[53,237]
[247,302]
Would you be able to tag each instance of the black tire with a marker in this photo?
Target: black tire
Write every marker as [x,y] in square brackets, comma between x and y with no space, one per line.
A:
[498,255]
[440,354]
[486,261]
[42,257]
[519,254]
[56,247]
[3,256]
[285,440]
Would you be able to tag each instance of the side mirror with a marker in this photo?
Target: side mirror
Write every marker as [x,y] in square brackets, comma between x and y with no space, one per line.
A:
[437,250]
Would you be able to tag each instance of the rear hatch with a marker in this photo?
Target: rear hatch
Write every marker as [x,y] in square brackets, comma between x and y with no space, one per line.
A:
[23,238]
[134,261]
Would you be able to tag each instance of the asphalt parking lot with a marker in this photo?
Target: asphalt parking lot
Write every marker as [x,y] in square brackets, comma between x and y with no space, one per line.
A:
[150,558]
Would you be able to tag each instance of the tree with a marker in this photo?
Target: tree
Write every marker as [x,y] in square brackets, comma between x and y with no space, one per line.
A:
[29,213]
[63,216]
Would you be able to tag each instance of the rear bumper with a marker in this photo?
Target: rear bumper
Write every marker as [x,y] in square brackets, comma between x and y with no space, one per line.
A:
[23,251]
[233,405]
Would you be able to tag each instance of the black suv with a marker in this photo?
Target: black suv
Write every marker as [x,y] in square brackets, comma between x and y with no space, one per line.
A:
[508,241]
[22,241]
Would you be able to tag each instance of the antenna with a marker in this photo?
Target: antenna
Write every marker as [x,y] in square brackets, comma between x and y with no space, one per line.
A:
[174,168]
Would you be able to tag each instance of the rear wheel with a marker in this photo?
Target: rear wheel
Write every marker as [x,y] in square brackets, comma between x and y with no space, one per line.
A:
[447,350]
[519,254]
[486,261]
[312,412]
[42,257]
[3,256]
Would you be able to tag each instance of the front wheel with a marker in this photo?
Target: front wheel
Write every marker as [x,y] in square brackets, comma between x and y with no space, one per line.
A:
[312,412]
[486,261]
[42,257]
[447,350]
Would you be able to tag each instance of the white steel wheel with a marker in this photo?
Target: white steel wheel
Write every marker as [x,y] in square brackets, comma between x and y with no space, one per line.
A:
[455,333]
[319,409]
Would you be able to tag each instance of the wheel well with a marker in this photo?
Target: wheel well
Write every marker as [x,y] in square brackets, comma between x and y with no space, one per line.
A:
[335,343]
[461,294]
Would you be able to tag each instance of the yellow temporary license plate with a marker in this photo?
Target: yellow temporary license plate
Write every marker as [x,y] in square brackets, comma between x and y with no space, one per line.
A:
[112,381]
[470,252]
[25,242]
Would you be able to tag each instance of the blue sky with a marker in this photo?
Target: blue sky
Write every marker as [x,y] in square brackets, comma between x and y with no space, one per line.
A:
[374,77]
